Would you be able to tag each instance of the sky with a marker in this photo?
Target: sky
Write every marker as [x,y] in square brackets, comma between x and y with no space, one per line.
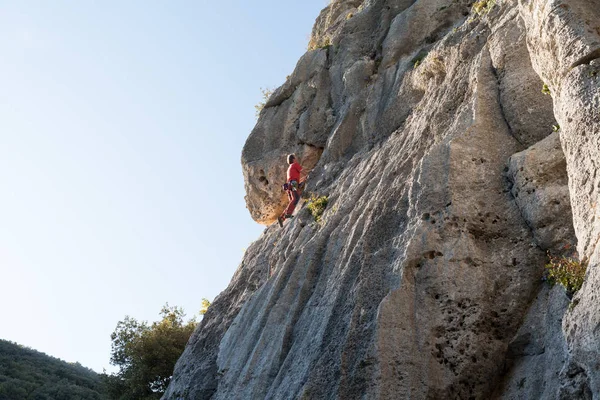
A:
[121,130]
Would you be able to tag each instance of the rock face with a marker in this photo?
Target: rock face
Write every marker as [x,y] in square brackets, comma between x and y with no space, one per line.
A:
[425,125]
[540,190]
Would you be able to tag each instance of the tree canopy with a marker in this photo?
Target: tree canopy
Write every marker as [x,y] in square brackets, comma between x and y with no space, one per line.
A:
[146,354]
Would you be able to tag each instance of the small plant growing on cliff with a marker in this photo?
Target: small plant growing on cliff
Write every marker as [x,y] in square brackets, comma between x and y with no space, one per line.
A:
[545,89]
[556,128]
[266,93]
[483,7]
[568,272]
[317,205]
[323,43]
[418,60]
[204,306]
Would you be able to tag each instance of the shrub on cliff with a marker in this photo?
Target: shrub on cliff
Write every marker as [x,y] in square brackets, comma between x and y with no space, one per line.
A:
[568,272]
[266,93]
[546,89]
[146,354]
[322,43]
[317,205]
[483,7]
[204,306]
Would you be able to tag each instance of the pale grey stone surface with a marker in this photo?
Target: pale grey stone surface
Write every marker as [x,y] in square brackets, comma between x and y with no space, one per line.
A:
[564,39]
[424,279]
[540,188]
[538,352]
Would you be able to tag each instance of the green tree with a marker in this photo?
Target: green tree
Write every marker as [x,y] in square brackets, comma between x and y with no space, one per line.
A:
[146,354]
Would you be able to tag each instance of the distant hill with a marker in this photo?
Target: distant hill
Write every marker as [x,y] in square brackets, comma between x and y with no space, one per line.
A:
[26,374]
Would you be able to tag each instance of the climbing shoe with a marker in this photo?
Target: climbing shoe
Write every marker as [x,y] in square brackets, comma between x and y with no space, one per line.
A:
[280,220]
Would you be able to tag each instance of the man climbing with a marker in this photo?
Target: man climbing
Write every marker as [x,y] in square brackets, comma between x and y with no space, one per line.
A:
[292,186]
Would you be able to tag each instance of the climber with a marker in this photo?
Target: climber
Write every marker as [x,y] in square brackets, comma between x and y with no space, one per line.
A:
[293,186]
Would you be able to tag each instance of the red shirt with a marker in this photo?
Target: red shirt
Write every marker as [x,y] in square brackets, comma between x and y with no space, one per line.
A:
[293,172]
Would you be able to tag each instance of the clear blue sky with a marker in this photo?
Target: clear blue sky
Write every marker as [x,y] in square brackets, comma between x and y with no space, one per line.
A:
[121,129]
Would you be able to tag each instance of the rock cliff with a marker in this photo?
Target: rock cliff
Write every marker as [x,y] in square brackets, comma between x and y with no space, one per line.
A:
[425,125]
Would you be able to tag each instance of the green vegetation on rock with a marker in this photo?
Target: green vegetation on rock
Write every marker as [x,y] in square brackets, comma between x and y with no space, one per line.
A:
[266,93]
[545,89]
[483,7]
[204,306]
[568,272]
[322,43]
[317,205]
[418,59]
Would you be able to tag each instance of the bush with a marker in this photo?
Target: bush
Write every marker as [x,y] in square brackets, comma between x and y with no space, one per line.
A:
[483,7]
[323,43]
[204,306]
[545,89]
[418,59]
[316,206]
[266,93]
[568,272]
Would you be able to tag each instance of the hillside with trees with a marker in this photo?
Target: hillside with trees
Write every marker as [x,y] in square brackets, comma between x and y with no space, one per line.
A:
[26,374]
